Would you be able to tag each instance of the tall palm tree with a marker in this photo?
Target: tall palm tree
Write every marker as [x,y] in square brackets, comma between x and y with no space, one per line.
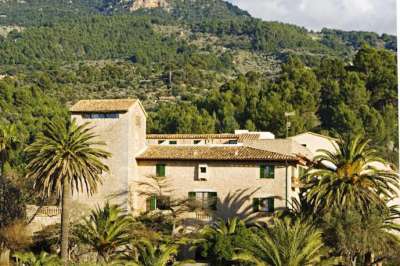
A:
[350,176]
[65,158]
[286,243]
[106,230]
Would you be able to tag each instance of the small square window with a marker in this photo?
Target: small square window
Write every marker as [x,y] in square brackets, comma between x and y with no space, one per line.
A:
[267,171]
[172,142]
[203,169]
[232,142]
[197,141]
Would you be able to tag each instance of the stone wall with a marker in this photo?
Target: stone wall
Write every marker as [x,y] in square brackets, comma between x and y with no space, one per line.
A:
[44,216]
[236,183]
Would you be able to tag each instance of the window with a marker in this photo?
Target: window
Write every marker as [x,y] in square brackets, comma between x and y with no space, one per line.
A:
[158,203]
[100,115]
[197,141]
[202,174]
[172,142]
[161,141]
[232,141]
[267,171]
[160,170]
[264,204]
[203,200]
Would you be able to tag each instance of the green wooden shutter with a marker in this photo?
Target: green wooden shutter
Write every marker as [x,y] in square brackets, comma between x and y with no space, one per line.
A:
[262,171]
[256,204]
[271,204]
[192,200]
[192,195]
[157,170]
[153,202]
[212,200]
[271,171]
[162,173]
[160,170]
[302,171]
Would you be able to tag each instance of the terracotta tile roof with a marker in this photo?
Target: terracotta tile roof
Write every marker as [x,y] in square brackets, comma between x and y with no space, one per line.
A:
[238,137]
[103,106]
[248,136]
[191,136]
[211,153]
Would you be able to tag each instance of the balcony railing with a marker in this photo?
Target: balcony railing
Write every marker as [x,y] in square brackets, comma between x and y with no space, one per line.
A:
[204,216]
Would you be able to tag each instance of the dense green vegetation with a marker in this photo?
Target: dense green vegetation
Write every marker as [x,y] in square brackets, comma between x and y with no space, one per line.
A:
[224,72]
[331,97]
[44,12]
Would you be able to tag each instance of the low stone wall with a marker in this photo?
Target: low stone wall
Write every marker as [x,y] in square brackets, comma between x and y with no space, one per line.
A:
[43,216]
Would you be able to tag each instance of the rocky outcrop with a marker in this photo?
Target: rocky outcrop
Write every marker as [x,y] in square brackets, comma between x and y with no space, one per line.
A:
[138,4]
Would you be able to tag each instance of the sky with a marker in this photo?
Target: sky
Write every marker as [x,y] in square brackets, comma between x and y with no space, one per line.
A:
[366,15]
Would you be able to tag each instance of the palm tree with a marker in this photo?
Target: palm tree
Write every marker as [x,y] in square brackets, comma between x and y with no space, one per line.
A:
[367,239]
[149,254]
[65,158]
[349,177]
[285,243]
[219,241]
[106,231]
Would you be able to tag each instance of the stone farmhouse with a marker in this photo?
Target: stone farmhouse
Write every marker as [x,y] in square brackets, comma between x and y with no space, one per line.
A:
[237,174]
[213,169]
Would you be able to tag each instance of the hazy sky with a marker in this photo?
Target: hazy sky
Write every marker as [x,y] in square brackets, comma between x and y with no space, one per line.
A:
[366,15]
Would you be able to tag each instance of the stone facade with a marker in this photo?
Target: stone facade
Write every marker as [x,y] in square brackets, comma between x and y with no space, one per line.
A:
[314,142]
[234,182]
[124,138]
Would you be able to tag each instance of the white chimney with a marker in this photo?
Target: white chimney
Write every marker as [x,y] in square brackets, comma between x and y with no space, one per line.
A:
[266,135]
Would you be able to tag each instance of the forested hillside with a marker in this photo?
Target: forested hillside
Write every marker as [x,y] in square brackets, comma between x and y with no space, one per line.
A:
[198,66]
